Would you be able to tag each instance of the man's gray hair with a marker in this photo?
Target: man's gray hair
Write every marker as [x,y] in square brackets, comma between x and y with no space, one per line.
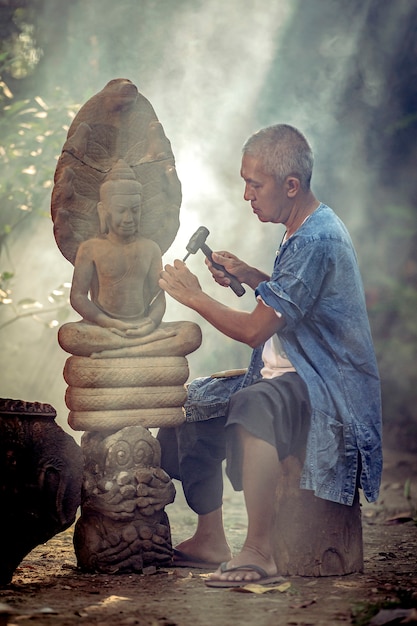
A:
[283,151]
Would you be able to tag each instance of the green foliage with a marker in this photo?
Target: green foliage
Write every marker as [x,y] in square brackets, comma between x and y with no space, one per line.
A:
[32,136]
[51,313]
[363,612]
[33,132]
[19,52]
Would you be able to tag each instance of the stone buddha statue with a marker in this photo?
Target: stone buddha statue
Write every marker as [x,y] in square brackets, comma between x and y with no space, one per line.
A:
[115,208]
[115,283]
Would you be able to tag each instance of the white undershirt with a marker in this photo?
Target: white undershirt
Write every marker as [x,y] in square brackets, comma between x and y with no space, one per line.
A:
[276,362]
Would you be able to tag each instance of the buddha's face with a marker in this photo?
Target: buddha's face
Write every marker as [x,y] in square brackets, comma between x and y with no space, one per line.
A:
[120,208]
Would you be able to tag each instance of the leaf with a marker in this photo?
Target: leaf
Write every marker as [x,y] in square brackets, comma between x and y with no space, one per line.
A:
[41,102]
[407,489]
[28,304]
[400,518]
[60,294]
[6,90]
[6,275]
[14,108]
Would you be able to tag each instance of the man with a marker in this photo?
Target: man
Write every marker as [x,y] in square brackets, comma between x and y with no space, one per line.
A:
[319,387]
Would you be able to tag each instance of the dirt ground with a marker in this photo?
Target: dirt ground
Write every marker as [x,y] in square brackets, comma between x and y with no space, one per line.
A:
[47,588]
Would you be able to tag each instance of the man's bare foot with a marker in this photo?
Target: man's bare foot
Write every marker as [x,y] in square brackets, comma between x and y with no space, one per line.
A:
[209,541]
[205,551]
[246,557]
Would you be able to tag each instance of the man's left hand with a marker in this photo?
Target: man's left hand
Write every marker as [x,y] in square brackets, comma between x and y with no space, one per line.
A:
[179,282]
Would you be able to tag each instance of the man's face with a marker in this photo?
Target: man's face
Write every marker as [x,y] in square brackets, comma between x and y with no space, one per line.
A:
[123,214]
[268,198]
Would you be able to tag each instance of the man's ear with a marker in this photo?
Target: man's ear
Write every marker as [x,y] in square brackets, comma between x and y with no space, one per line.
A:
[104,229]
[292,185]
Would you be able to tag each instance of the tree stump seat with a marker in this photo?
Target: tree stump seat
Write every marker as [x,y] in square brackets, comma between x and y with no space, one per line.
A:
[314,537]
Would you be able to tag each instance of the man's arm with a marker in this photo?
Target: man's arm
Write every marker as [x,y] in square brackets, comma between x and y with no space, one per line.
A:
[252,328]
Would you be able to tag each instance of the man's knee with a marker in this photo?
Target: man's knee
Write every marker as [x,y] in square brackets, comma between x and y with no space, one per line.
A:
[203,440]
[168,441]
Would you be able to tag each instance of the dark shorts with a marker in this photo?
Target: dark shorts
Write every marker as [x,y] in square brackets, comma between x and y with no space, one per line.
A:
[276,411]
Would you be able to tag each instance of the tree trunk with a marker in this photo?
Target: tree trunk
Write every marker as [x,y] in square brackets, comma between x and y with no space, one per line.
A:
[314,537]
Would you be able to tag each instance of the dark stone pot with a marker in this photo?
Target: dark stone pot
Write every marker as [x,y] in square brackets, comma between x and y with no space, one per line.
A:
[41,470]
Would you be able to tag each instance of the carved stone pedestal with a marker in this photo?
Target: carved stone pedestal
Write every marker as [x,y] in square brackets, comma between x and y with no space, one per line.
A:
[108,394]
[123,526]
[314,537]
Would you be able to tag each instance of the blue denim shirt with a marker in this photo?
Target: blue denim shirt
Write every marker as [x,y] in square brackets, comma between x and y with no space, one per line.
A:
[317,288]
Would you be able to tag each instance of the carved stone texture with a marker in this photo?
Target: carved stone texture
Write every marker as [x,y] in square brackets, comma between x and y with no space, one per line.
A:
[120,386]
[115,208]
[119,390]
[104,394]
[117,123]
[40,480]
[123,526]
[314,537]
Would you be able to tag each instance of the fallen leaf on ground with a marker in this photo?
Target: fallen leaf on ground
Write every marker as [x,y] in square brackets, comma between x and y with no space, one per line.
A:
[400,518]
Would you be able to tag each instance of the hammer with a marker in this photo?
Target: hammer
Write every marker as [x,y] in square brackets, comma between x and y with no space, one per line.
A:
[198,242]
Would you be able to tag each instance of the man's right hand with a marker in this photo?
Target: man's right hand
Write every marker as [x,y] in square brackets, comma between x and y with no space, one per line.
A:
[230,262]
[243,272]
